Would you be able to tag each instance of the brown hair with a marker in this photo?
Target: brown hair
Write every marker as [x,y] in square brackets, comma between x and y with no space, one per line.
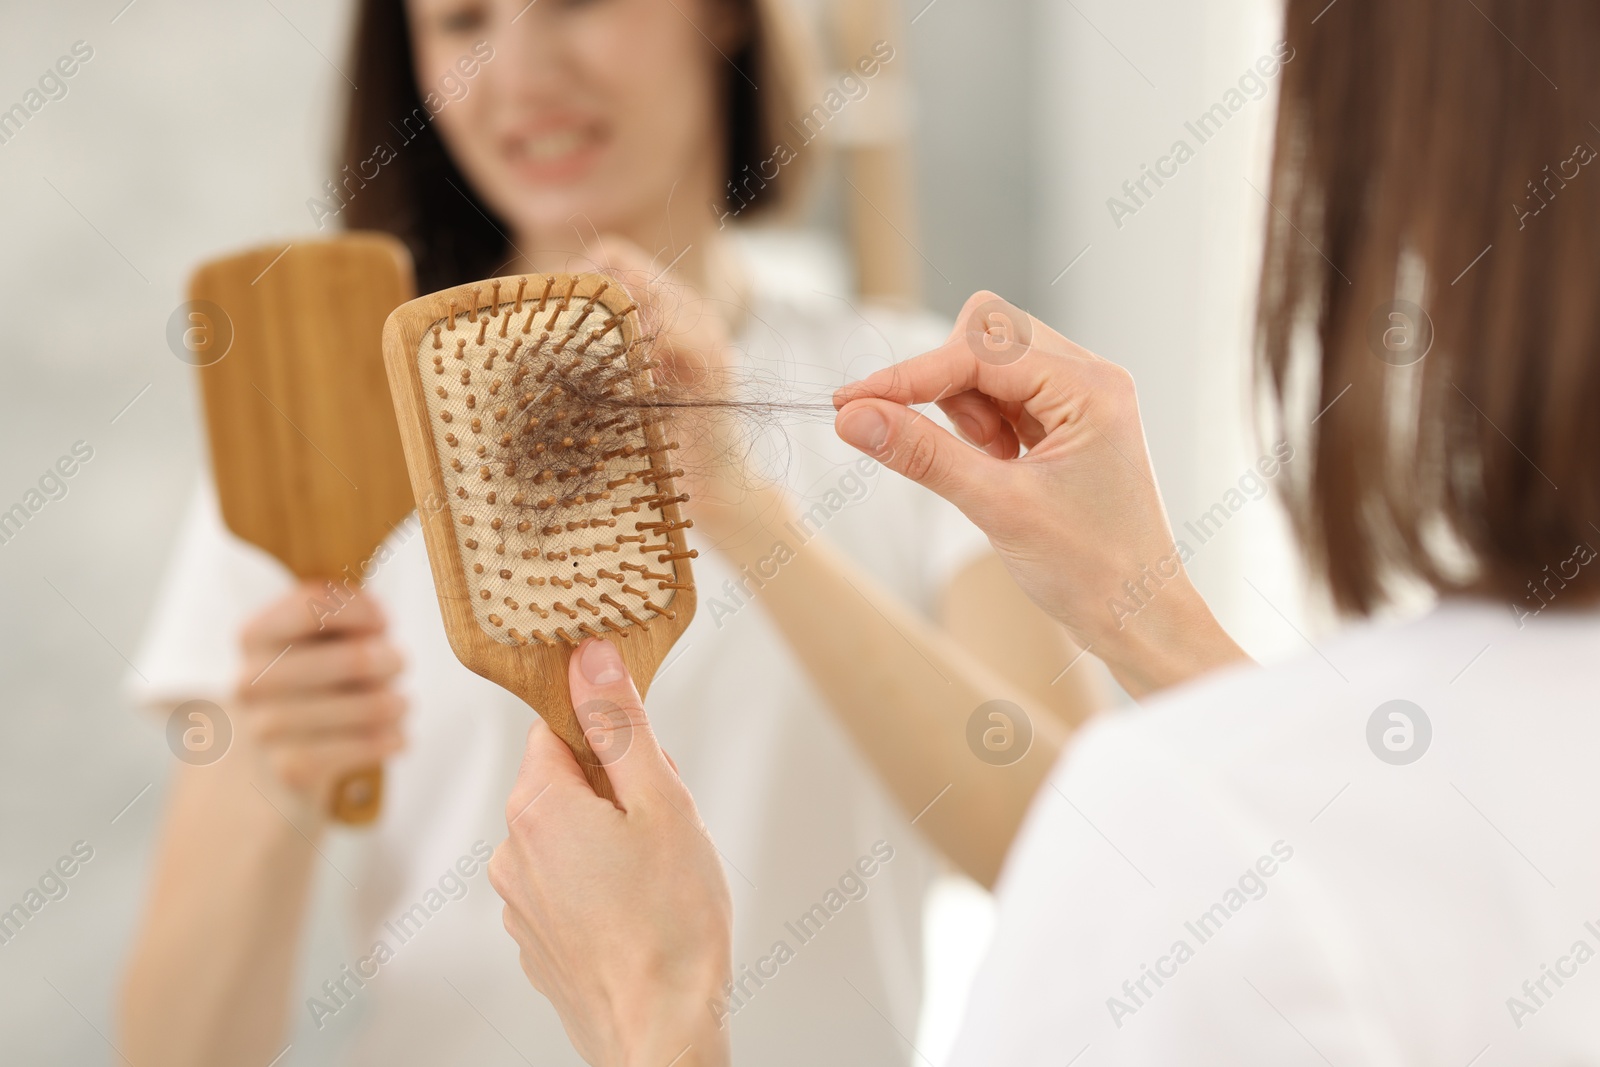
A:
[1425,156]
[421,197]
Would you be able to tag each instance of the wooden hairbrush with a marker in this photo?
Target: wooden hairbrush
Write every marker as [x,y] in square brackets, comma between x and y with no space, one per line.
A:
[304,447]
[532,430]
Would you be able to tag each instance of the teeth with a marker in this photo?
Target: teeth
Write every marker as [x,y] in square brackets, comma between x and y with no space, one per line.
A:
[552,145]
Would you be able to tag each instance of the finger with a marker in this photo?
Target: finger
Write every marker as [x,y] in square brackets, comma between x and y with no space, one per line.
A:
[631,267]
[319,764]
[687,329]
[998,350]
[924,378]
[1039,391]
[306,668]
[952,368]
[1028,429]
[504,884]
[311,609]
[984,311]
[920,449]
[327,714]
[614,723]
[982,422]
[510,881]
[945,371]
[622,255]
[523,928]
[547,763]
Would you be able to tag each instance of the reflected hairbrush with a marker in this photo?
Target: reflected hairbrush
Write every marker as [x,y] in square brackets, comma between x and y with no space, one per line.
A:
[304,452]
[538,451]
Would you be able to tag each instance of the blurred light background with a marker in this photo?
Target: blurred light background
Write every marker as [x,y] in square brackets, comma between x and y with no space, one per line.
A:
[198,128]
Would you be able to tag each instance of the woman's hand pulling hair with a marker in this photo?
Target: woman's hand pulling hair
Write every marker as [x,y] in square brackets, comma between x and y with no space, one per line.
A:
[698,371]
[621,911]
[1060,480]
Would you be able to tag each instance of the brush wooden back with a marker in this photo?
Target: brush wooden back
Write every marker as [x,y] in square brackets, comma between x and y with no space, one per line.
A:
[304,448]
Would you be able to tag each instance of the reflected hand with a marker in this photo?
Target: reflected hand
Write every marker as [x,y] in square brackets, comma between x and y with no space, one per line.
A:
[691,341]
[316,693]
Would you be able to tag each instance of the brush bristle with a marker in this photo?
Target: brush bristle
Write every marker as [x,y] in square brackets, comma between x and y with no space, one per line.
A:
[557,475]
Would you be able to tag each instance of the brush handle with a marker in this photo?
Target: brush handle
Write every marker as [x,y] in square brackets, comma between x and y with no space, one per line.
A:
[598,780]
[553,703]
[358,797]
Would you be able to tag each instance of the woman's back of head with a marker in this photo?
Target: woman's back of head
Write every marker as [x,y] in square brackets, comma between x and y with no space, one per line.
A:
[1428,326]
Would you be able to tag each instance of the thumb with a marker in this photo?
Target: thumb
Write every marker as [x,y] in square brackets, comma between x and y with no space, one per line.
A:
[611,715]
[913,445]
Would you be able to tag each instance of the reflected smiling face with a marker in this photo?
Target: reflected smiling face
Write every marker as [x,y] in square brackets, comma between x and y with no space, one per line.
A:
[590,114]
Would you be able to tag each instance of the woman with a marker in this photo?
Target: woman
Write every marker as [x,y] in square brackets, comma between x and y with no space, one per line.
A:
[1378,854]
[553,135]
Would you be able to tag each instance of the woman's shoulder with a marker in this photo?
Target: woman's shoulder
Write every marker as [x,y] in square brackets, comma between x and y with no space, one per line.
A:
[1379,693]
[1330,669]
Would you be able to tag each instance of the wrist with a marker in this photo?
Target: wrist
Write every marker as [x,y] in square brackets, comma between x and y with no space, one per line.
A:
[281,809]
[705,1046]
[1169,638]
[683,1031]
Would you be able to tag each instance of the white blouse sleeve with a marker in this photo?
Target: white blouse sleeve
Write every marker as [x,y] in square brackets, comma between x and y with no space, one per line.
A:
[213,585]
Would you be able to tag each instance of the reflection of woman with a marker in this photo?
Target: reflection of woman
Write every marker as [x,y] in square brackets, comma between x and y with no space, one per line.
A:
[1380,853]
[583,119]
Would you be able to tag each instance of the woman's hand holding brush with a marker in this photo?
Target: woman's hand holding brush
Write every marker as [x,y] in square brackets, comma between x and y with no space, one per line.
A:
[621,911]
[1060,480]
[316,692]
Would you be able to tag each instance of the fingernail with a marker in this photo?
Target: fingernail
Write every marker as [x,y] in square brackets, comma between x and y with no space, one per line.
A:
[968,426]
[601,663]
[866,429]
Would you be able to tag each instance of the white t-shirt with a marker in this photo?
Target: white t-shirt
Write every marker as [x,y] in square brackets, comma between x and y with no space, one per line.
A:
[793,808]
[1274,892]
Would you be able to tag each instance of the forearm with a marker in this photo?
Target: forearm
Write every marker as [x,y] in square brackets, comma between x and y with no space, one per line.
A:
[903,689]
[984,610]
[208,982]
